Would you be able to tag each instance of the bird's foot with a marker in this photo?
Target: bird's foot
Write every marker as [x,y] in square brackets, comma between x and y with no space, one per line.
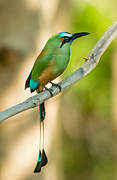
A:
[57,85]
[50,91]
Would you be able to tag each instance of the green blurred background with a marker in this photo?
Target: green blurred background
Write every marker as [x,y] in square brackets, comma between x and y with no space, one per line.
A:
[81,123]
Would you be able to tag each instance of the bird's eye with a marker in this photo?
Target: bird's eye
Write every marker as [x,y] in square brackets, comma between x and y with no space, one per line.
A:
[65,40]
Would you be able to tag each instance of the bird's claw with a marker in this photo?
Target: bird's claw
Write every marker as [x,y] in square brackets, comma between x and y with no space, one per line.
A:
[50,91]
[57,85]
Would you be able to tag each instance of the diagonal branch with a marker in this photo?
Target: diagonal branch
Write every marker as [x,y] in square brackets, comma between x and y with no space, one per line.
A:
[92,60]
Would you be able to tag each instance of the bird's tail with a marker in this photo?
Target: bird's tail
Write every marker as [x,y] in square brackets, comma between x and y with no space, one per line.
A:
[42,111]
[42,158]
[27,83]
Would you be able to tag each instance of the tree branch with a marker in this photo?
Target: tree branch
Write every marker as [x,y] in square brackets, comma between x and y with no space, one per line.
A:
[92,60]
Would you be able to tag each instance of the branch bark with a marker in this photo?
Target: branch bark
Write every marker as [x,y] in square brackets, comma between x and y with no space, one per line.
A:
[92,60]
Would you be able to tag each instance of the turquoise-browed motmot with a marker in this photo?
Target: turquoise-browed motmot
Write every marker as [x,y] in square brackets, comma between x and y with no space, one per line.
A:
[51,63]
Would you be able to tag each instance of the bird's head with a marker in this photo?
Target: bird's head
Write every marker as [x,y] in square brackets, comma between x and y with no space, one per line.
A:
[66,37]
[62,40]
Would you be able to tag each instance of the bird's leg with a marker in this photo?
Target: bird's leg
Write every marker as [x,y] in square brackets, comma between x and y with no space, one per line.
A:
[57,85]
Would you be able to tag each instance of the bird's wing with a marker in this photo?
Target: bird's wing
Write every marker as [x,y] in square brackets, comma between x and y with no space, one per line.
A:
[40,65]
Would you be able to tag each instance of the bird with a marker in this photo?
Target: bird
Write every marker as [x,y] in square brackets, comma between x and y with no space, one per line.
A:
[51,63]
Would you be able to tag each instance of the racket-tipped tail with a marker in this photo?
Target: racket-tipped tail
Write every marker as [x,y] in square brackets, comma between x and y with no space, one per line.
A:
[42,161]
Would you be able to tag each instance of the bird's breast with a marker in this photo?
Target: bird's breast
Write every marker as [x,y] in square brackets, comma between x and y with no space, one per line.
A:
[60,63]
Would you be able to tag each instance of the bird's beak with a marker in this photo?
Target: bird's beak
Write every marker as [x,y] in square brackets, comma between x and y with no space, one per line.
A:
[77,35]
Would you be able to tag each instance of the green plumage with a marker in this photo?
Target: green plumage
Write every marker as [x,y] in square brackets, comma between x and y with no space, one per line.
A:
[53,56]
[51,62]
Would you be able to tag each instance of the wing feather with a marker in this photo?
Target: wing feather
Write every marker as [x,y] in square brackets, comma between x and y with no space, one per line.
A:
[40,65]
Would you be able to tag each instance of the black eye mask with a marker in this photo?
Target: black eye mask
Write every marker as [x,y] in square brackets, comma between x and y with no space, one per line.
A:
[63,42]
[66,39]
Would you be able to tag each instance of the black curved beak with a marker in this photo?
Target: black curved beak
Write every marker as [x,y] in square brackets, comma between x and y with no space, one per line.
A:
[78,35]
